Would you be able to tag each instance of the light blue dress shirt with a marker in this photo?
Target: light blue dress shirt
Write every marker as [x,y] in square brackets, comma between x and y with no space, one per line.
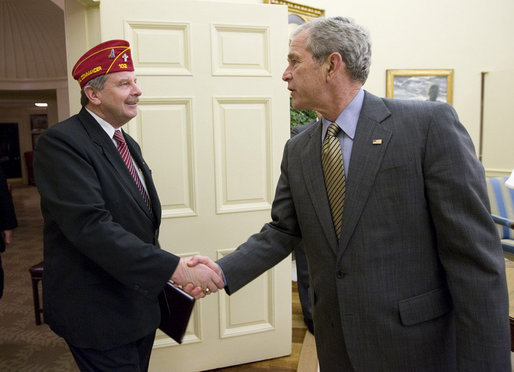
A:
[347,121]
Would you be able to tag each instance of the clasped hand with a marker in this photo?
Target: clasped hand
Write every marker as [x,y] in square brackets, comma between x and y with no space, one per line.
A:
[198,276]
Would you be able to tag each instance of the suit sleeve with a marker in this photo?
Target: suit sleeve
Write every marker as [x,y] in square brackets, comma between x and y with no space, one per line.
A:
[272,244]
[468,243]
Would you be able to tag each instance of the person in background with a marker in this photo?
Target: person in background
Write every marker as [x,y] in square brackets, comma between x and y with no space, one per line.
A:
[406,267]
[302,269]
[8,222]
[104,268]
[433,92]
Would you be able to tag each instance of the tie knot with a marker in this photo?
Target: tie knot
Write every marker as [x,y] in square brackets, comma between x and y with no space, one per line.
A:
[118,136]
[333,129]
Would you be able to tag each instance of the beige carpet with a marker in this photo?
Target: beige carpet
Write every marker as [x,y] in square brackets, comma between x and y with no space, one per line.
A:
[23,345]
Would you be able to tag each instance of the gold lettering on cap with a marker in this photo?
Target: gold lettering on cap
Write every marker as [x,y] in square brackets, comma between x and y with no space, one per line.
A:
[90,72]
[122,65]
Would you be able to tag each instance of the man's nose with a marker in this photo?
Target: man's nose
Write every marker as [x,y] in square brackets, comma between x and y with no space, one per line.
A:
[286,75]
[136,90]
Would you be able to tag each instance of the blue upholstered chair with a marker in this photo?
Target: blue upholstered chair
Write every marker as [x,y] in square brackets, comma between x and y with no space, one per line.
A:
[502,210]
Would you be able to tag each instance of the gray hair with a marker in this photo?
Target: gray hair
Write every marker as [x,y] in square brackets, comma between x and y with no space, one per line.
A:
[341,35]
[97,83]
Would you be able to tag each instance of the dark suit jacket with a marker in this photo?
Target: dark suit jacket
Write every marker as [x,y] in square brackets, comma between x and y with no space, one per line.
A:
[417,279]
[7,214]
[104,268]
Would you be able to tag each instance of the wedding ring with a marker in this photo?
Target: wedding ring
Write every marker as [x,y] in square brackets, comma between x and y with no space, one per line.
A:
[207,290]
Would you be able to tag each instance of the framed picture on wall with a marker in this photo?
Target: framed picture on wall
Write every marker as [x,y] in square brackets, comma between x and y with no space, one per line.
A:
[423,85]
[303,11]
[38,124]
[297,13]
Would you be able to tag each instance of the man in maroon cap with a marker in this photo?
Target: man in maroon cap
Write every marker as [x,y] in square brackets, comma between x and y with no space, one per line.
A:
[104,268]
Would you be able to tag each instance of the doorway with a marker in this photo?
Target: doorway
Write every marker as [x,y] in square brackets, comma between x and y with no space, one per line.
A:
[10,150]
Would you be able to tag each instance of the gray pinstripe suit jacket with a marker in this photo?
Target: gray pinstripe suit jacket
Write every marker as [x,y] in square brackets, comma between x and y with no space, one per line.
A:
[417,279]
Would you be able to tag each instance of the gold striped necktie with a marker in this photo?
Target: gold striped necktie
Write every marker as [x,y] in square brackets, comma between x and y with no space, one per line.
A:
[333,170]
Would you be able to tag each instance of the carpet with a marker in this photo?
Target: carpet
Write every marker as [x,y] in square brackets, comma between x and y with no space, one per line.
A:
[23,345]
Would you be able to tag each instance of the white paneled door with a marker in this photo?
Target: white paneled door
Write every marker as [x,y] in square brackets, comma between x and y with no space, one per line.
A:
[212,122]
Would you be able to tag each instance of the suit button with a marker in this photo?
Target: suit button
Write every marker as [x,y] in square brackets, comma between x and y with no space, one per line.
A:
[340,274]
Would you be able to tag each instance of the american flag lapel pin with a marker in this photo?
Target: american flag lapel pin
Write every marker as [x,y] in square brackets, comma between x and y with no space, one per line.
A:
[377,141]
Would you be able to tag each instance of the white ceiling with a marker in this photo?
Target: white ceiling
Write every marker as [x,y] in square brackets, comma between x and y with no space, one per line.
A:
[32,41]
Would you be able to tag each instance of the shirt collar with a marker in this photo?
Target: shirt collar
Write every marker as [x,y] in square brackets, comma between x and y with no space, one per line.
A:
[108,128]
[347,120]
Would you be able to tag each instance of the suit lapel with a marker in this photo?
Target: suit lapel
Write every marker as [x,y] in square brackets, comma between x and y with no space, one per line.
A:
[101,139]
[147,174]
[370,144]
[315,182]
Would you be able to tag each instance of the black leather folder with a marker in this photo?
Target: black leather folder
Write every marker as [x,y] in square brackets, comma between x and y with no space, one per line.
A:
[176,308]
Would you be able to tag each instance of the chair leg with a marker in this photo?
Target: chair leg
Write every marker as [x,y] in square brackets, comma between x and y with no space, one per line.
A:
[37,309]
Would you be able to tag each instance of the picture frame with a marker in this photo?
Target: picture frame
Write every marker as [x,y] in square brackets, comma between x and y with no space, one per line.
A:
[38,124]
[422,84]
[303,11]
[298,13]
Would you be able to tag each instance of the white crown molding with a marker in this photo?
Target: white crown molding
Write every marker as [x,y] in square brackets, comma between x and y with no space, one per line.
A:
[39,84]
[59,3]
[89,3]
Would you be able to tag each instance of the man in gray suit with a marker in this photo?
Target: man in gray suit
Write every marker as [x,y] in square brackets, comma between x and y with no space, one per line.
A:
[415,281]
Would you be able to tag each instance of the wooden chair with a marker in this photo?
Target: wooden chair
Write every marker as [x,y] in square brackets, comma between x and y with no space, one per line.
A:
[36,275]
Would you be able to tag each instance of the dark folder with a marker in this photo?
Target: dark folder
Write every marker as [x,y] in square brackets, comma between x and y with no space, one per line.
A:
[176,308]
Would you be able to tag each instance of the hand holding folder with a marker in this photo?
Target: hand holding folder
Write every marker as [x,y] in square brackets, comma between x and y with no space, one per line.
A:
[176,304]
[176,308]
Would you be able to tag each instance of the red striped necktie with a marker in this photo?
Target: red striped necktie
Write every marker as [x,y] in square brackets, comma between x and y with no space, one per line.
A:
[125,154]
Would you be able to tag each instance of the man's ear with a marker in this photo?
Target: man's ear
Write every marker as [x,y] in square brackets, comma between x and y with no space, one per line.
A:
[334,63]
[92,94]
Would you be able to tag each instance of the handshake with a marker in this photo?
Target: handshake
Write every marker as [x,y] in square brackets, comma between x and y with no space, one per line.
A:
[198,276]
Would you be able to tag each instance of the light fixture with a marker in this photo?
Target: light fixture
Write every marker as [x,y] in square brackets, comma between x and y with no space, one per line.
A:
[41,104]
[510,181]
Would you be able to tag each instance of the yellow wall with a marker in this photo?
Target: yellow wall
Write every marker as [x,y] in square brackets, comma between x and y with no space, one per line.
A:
[467,36]
[470,37]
